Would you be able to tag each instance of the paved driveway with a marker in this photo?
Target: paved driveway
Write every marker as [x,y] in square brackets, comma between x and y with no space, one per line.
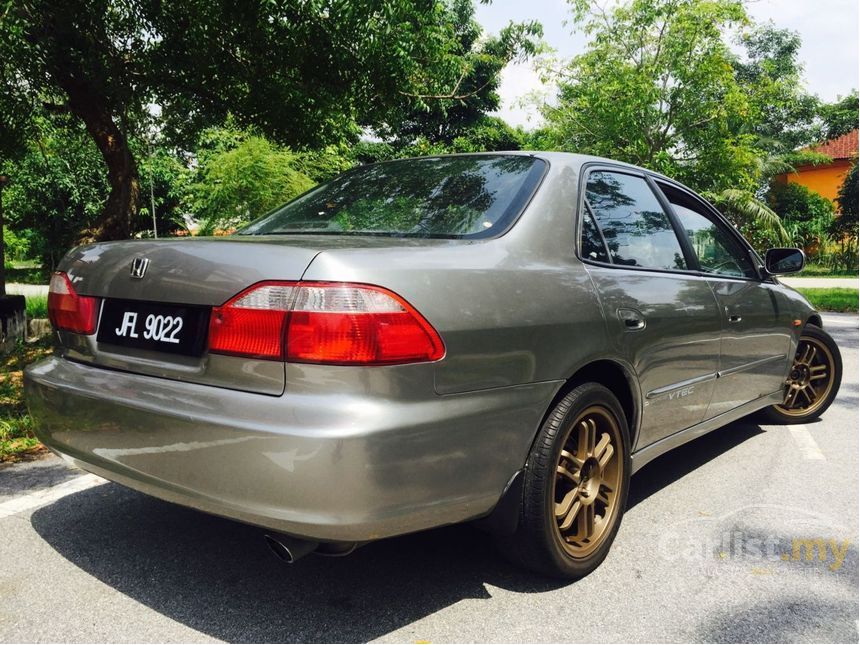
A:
[705,554]
[821,283]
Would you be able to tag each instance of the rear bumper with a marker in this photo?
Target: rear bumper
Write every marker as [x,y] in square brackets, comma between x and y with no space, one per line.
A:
[318,465]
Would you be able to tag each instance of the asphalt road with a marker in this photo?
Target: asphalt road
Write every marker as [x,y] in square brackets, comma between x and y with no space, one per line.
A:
[704,554]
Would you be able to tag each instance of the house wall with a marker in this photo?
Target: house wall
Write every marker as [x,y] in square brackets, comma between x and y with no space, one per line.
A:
[824,180]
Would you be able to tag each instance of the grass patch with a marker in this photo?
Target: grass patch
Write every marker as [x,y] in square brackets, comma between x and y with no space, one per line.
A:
[832,299]
[820,271]
[37,307]
[16,426]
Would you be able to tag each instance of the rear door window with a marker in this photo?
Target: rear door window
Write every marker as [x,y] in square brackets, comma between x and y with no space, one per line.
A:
[636,228]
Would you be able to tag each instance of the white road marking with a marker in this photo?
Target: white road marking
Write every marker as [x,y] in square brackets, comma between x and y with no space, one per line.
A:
[48,495]
[806,443]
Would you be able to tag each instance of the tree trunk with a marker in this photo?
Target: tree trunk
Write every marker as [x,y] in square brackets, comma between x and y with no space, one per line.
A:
[116,221]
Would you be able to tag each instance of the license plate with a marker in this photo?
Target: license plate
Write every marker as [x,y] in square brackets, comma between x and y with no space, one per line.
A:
[175,329]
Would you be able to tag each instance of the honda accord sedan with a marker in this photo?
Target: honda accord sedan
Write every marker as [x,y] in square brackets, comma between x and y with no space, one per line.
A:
[498,337]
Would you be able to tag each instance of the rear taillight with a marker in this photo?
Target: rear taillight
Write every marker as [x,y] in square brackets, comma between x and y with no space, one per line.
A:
[67,310]
[323,322]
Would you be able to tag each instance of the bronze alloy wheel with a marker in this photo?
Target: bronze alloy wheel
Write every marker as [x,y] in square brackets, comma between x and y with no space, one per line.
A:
[811,378]
[574,486]
[587,481]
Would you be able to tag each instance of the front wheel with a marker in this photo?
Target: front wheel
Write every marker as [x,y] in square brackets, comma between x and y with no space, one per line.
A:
[813,381]
[575,486]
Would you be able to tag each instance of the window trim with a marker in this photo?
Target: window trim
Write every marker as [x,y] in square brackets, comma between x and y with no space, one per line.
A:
[590,214]
[653,180]
[585,171]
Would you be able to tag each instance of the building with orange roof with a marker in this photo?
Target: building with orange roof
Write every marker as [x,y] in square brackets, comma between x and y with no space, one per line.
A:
[825,179]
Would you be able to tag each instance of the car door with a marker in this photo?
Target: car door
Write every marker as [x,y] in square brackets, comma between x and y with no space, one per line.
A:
[756,321]
[662,316]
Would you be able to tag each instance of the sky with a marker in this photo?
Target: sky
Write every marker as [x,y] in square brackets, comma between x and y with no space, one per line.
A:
[828,30]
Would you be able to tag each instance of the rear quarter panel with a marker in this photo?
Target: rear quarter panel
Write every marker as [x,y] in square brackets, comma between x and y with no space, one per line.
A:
[511,310]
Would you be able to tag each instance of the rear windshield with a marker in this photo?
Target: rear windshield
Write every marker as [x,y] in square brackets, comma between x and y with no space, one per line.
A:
[448,197]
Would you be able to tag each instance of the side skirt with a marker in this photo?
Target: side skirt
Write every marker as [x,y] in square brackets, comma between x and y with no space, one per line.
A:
[648,453]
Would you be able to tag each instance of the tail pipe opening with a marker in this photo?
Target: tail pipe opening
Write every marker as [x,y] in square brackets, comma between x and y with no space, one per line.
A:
[289,549]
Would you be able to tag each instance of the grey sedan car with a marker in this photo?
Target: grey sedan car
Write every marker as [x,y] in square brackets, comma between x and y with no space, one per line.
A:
[498,337]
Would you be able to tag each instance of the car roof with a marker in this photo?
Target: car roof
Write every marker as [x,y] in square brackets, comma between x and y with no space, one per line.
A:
[570,159]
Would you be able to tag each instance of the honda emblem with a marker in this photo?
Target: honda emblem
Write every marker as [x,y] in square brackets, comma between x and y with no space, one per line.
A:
[138,267]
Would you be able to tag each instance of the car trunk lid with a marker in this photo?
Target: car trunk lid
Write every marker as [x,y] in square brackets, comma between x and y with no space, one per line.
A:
[182,277]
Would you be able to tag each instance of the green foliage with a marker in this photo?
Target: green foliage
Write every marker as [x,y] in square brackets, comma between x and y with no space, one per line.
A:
[818,270]
[56,189]
[17,246]
[797,158]
[233,186]
[321,165]
[806,215]
[16,425]
[489,134]
[847,199]
[781,112]
[844,228]
[656,87]
[755,219]
[832,299]
[305,74]
[796,203]
[168,175]
[445,111]
[840,117]
[37,306]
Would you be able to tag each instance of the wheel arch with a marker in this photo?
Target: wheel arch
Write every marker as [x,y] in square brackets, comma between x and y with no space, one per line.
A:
[620,379]
[815,319]
[615,375]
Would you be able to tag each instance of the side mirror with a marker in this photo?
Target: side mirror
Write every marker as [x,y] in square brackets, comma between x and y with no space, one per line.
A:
[779,261]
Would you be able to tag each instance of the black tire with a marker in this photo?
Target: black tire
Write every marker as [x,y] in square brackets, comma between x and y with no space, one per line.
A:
[829,353]
[538,543]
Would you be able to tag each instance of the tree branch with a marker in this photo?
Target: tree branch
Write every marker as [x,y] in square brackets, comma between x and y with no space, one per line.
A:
[452,96]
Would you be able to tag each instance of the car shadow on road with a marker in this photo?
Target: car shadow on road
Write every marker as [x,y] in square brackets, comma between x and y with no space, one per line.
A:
[683,460]
[218,577]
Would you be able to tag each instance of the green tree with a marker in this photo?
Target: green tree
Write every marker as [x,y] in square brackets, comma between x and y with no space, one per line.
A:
[56,188]
[656,87]
[489,134]
[236,184]
[839,117]
[806,215]
[659,86]
[305,73]
[847,197]
[444,113]
[845,226]
[782,114]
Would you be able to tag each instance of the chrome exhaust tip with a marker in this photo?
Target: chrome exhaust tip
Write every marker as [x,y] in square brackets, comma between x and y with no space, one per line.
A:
[289,549]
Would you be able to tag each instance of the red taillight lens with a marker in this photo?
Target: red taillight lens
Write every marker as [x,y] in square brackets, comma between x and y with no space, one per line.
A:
[67,310]
[321,322]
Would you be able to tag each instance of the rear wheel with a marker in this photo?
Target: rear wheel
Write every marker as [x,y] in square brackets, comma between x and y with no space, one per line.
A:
[575,486]
[813,382]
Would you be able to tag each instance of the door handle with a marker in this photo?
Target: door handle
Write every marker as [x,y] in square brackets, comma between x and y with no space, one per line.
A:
[633,320]
[732,318]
